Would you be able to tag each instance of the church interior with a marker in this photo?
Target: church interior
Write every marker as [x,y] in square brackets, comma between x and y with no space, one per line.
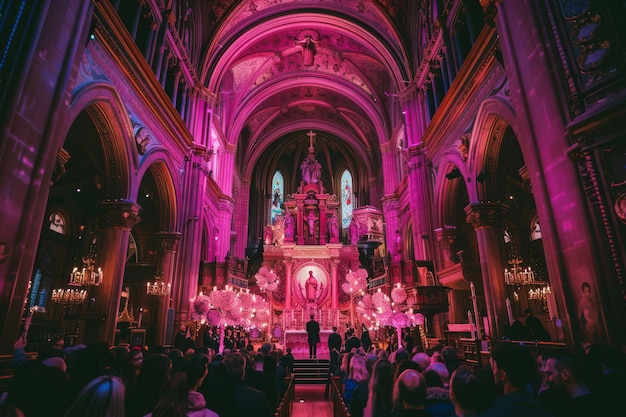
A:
[432,167]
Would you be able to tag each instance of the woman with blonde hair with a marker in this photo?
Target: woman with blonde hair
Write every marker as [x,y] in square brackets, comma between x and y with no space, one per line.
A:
[380,398]
[355,390]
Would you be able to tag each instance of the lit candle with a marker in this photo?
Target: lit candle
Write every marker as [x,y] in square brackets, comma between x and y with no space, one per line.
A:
[509,310]
[471,322]
[140,317]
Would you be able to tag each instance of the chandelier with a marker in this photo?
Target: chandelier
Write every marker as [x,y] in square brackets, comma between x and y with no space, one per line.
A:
[89,274]
[518,275]
[69,296]
[158,288]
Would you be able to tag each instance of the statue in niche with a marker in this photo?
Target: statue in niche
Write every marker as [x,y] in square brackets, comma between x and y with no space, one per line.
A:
[353,230]
[308,49]
[333,227]
[268,235]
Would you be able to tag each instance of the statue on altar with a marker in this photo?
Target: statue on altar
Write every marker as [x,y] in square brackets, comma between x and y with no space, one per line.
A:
[288,225]
[311,170]
[310,222]
[333,227]
[310,288]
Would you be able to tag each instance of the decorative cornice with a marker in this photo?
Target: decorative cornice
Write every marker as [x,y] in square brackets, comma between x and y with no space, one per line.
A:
[118,214]
[169,241]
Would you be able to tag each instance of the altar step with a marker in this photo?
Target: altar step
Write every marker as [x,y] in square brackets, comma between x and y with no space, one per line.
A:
[311,371]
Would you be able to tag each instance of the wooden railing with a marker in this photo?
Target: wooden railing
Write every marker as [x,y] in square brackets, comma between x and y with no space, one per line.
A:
[286,403]
[336,397]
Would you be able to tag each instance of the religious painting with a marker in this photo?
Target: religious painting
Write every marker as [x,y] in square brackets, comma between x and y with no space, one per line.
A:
[588,313]
[311,285]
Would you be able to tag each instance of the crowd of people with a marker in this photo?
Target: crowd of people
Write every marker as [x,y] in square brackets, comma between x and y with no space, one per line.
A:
[131,381]
[376,383]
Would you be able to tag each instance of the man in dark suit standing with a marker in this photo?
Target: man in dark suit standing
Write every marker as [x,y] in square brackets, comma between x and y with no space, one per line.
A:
[313,331]
[334,347]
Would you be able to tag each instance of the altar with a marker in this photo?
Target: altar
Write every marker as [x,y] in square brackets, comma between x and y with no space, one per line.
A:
[297,340]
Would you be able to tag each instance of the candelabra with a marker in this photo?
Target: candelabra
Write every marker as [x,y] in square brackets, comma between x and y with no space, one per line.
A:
[158,288]
[539,294]
[69,296]
[518,275]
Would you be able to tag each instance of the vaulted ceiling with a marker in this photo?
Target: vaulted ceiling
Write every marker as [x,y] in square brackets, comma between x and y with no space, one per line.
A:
[281,68]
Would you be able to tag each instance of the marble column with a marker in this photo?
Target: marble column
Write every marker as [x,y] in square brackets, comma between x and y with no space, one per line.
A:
[390,212]
[488,222]
[169,246]
[116,219]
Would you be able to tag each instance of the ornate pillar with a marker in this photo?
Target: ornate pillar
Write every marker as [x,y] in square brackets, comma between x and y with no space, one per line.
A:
[288,263]
[388,152]
[242,219]
[390,212]
[446,236]
[117,218]
[488,222]
[188,265]
[421,194]
[300,222]
[334,277]
[323,226]
[169,247]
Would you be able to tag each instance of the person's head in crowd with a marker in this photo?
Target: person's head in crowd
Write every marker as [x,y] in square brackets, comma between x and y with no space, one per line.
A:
[465,392]
[56,362]
[56,342]
[568,374]
[358,369]
[39,390]
[422,359]
[235,364]
[102,397]
[259,358]
[406,364]
[401,354]
[345,362]
[266,348]
[269,365]
[380,398]
[370,360]
[513,367]
[448,354]
[410,391]
[441,370]
[383,354]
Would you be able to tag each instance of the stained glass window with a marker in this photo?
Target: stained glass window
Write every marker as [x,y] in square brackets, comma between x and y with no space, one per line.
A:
[347,199]
[278,192]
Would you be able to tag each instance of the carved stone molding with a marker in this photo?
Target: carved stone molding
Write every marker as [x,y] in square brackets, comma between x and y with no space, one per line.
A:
[118,214]
[446,236]
[483,215]
[169,241]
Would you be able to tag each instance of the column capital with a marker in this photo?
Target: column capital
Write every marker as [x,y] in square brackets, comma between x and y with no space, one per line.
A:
[486,214]
[169,241]
[118,214]
[446,236]
[390,201]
